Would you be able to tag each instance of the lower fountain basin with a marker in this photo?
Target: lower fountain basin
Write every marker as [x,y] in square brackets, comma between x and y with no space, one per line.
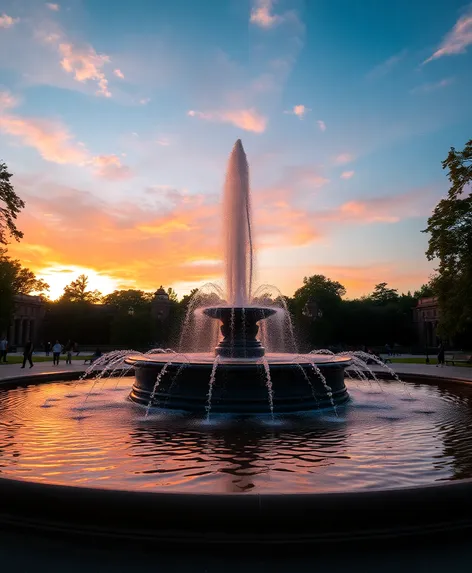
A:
[297,383]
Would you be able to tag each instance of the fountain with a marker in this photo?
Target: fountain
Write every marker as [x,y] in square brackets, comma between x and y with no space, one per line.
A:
[236,438]
[248,379]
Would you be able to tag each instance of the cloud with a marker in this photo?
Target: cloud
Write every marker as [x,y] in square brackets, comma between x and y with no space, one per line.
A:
[457,40]
[388,209]
[430,87]
[347,174]
[85,64]
[261,14]
[144,100]
[53,7]
[298,110]
[7,21]
[51,139]
[321,125]
[119,74]
[7,100]
[55,143]
[247,119]
[385,67]
[343,158]
[110,167]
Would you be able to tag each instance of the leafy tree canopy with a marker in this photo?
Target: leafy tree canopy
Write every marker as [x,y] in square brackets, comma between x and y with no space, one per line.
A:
[450,243]
[77,292]
[125,300]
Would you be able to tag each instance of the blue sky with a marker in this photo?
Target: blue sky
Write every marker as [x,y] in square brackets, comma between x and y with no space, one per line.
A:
[117,119]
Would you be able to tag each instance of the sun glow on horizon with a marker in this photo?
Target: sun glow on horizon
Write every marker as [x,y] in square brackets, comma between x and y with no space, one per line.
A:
[60,276]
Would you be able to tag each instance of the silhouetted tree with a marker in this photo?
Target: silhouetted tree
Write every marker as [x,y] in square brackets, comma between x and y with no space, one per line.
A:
[450,243]
[10,206]
[77,292]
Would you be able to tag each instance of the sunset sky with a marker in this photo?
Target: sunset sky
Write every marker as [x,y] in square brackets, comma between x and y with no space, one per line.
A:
[117,119]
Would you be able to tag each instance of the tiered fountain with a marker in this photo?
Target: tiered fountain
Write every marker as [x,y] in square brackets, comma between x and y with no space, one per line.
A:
[238,376]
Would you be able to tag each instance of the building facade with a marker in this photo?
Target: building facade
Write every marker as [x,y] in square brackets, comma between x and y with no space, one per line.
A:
[27,320]
[426,317]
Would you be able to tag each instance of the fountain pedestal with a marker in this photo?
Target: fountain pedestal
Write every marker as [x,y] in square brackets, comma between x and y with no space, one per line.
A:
[239,329]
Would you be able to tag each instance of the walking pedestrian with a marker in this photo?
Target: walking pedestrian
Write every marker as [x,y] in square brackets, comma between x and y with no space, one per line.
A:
[28,353]
[56,352]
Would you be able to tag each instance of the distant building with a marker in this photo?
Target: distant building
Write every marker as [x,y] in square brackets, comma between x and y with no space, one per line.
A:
[27,319]
[161,305]
[426,317]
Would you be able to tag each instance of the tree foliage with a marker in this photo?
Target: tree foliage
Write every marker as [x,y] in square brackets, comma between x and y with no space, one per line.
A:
[382,295]
[15,279]
[77,292]
[10,206]
[128,300]
[450,243]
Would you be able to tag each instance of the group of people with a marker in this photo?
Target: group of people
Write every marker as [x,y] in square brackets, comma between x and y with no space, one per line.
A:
[57,349]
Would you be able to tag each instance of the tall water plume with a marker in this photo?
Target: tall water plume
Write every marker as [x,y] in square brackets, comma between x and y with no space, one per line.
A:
[237,229]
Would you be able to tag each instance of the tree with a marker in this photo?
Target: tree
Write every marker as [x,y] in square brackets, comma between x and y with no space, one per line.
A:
[383,295]
[10,206]
[450,242]
[126,300]
[172,295]
[326,295]
[77,292]
[426,290]
[14,280]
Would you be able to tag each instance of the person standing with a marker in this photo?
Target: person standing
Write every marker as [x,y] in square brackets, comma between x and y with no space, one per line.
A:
[440,355]
[68,350]
[3,349]
[47,348]
[56,352]
[28,353]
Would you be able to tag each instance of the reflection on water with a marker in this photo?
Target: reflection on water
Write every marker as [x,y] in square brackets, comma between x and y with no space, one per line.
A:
[386,437]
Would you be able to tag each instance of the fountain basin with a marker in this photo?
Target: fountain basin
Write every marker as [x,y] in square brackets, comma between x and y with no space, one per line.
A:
[240,385]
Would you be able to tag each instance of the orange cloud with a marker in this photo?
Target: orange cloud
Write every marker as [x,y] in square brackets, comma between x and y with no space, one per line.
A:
[7,21]
[119,74]
[347,174]
[457,40]
[7,100]
[299,111]
[247,119]
[53,7]
[85,64]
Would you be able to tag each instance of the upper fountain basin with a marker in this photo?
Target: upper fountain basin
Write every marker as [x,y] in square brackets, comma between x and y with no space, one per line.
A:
[250,313]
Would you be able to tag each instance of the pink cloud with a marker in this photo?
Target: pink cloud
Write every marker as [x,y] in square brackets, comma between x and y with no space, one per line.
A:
[457,40]
[247,119]
[52,140]
[144,100]
[53,7]
[430,87]
[347,174]
[343,158]
[85,64]
[7,21]
[261,14]
[385,67]
[110,167]
[7,100]
[119,74]
[321,125]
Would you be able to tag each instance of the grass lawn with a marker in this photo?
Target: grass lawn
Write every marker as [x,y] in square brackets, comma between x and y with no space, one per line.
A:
[413,360]
[19,359]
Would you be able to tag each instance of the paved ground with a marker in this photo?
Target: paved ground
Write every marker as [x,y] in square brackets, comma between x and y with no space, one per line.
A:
[452,372]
